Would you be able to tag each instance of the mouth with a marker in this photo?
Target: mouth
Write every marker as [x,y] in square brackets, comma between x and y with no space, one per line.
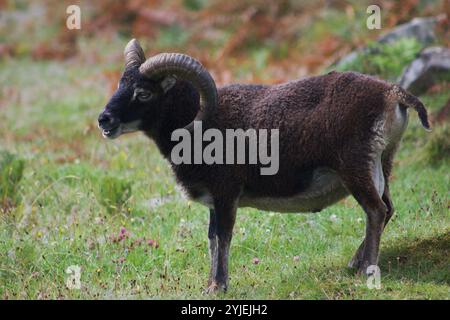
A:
[112,133]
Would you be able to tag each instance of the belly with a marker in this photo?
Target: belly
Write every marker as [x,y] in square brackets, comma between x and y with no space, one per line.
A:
[326,188]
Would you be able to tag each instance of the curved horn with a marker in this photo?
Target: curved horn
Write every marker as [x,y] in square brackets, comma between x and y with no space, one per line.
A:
[133,53]
[186,68]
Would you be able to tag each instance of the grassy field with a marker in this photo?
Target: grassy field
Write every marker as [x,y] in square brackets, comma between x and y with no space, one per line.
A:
[113,209]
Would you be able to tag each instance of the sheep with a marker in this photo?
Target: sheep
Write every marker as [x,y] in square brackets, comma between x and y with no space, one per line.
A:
[338,133]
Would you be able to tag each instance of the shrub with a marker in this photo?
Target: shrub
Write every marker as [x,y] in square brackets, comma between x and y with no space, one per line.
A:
[385,60]
[113,193]
[11,172]
[437,149]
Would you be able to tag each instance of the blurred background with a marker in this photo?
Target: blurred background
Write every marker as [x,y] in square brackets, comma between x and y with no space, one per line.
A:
[69,197]
[245,41]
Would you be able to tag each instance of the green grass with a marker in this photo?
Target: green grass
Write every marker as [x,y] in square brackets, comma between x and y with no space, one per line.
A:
[11,171]
[49,112]
[385,60]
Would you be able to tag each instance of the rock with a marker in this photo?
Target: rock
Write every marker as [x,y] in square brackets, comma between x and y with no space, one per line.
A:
[349,57]
[443,114]
[422,29]
[423,72]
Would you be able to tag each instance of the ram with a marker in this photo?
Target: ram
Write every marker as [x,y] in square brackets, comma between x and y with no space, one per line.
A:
[338,133]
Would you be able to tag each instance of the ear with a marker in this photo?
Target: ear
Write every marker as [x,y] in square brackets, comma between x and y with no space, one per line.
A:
[167,83]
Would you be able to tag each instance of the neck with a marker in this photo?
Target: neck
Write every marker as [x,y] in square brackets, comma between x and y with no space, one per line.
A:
[178,110]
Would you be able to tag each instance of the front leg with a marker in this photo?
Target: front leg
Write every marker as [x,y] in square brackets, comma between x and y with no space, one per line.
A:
[221,223]
[213,243]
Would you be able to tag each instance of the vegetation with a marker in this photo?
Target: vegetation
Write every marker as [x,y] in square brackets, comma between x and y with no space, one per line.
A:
[70,197]
[11,171]
[113,193]
[437,149]
[385,60]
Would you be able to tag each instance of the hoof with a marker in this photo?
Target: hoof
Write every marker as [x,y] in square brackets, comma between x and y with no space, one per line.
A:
[353,263]
[361,272]
[215,287]
[356,261]
[364,269]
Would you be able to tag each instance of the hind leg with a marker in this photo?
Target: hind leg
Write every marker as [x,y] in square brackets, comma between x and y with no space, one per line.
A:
[367,186]
[357,258]
[387,167]
[386,197]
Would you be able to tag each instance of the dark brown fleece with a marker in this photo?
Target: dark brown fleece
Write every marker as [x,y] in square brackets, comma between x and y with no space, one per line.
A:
[323,121]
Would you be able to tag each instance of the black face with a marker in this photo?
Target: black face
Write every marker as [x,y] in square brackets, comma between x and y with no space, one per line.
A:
[134,106]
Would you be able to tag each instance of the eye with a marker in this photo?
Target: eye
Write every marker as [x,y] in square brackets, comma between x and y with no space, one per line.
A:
[144,96]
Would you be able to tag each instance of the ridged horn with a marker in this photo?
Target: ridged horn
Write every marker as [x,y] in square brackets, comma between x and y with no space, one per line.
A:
[186,68]
[133,53]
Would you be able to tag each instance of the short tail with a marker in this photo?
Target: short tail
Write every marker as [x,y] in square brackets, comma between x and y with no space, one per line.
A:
[410,101]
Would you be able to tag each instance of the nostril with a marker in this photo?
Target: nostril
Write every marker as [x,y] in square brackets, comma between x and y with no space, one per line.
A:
[104,119]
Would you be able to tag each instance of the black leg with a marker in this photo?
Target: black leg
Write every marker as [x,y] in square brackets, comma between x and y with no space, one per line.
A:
[364,191]
[222,220]
[212,238]
[388,202]
[355,262]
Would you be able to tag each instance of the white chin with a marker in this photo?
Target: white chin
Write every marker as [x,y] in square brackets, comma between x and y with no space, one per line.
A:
[112,134]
